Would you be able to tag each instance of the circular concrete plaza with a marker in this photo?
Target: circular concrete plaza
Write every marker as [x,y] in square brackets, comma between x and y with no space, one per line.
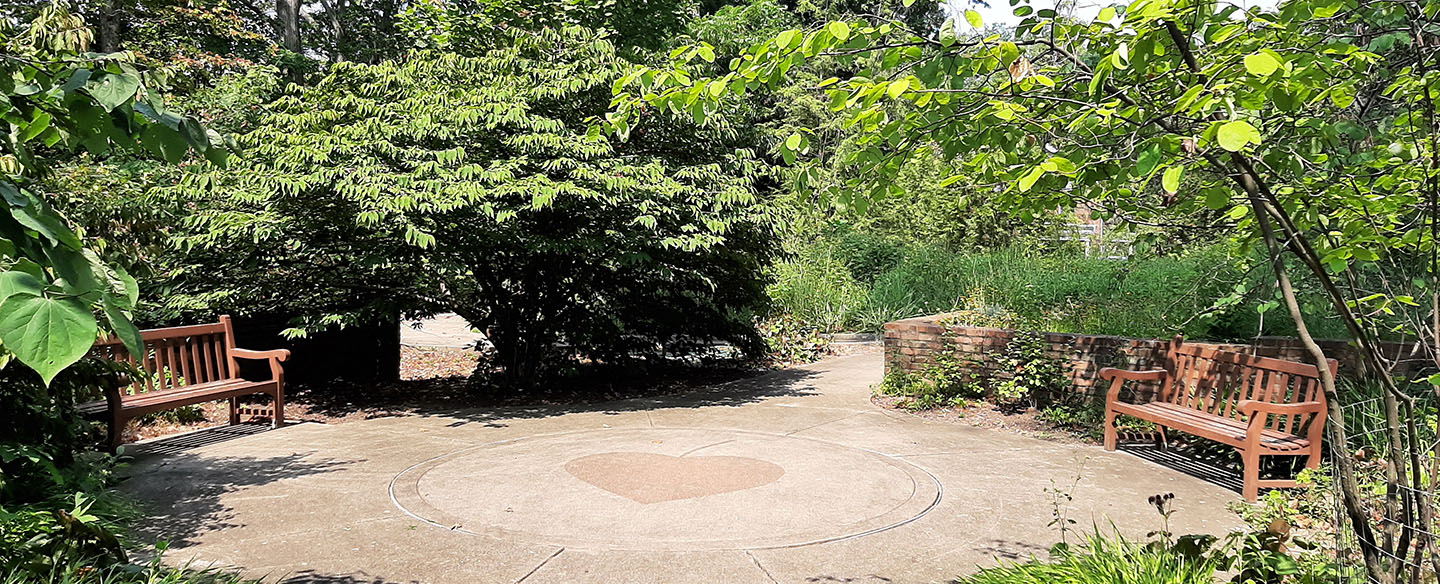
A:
[666,489]
[790,477]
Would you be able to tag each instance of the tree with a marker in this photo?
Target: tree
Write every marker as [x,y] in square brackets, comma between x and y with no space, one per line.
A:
[444,182]
[1311,125]
[59,98]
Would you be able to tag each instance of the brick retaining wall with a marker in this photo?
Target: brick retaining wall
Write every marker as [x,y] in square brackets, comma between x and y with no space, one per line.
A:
[909,345]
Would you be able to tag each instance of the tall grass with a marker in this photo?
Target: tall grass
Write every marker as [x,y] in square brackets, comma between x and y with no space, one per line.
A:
[851,283]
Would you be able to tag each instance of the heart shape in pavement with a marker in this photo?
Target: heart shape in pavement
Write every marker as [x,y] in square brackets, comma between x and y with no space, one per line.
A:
[647,478]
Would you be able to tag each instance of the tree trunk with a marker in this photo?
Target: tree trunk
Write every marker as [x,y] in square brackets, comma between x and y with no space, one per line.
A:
[108,29]
[288,13]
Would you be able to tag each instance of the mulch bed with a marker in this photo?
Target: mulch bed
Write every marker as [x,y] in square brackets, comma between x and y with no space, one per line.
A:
[986,415]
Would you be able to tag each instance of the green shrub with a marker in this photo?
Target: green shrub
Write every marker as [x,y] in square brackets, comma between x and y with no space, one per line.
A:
[1029,373]
[156,571]
[867,256]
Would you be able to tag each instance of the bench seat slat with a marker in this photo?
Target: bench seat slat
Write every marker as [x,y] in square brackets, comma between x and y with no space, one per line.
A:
[143,403]
[1226,430]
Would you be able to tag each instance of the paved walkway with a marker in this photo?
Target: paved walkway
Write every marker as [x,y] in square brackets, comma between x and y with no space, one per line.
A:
[790,477]
[441,330]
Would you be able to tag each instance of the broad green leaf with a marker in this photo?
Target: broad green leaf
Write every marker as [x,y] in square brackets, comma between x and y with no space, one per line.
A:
[898,88]
[1171,179]
[1028,181]
[47,334]
[1261,64]
[839,30]
[1107,14]
[1235,135]
[793,142]
[46,223]
[1217,199]
[124,328]
[974,19]
[18,282]
[112,89]
[37,126]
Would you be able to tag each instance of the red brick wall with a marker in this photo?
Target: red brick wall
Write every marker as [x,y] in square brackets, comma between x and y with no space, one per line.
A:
[909,345]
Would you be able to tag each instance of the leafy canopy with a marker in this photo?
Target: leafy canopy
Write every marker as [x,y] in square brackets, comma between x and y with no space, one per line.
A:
[59,98]
[471,184]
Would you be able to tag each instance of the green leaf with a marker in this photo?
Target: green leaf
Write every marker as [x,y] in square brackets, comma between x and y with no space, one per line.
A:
[1235,135]
[974,19]
[1107,14]
[46,223]
[110,90]
[18,282]
[1028,181]
[37,126]
[165,142]
[1261,64]
[124,328]
[47,334]
[1171,180]
[1217,199]
[898,88]
[839,30]
[793,142]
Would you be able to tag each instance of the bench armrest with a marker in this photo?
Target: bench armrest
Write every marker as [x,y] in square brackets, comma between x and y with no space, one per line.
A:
[1249,407]
[1121,375]
[276,354]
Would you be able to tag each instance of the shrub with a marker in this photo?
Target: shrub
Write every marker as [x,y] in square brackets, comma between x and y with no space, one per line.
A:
[471,184]
[1028,372]
[945,381]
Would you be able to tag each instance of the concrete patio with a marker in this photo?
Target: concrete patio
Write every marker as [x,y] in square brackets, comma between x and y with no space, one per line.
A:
[793,476]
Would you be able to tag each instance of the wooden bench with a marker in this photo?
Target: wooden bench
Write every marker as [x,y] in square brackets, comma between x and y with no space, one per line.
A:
[1259,405]
[186,365]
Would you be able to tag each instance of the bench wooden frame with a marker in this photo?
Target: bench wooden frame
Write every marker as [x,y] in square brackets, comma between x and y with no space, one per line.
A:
[1259,405]
[186,365]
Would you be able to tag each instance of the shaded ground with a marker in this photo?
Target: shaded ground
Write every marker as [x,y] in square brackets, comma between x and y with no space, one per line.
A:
[436,378]
[597,492]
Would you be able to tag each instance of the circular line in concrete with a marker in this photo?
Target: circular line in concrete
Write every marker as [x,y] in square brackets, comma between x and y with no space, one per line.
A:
[405,486]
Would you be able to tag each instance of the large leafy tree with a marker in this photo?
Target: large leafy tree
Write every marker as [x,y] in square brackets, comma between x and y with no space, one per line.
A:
[445,182]
[1310,125]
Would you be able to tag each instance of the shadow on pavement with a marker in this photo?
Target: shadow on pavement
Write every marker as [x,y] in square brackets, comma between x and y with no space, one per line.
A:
[782,383]
[313,577]
[181,492]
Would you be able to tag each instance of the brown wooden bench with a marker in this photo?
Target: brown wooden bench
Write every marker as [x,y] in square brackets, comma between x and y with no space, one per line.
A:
[1259,405]
[186,365]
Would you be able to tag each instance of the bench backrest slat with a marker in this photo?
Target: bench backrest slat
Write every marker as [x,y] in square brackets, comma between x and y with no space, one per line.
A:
[176,356]
[1215,381]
